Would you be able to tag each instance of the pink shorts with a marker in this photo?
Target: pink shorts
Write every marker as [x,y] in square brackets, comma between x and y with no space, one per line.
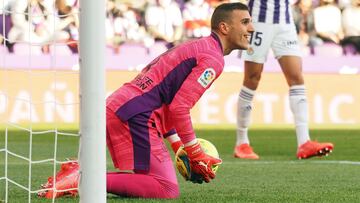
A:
[131,143]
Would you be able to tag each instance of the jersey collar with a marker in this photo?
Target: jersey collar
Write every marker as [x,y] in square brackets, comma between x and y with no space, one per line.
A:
[217,39]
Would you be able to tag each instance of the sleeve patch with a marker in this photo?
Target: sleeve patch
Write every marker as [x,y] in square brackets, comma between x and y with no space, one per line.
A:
[207,77]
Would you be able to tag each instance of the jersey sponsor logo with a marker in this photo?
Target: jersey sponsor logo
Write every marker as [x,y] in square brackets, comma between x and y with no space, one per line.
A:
[143,82]
[207,77]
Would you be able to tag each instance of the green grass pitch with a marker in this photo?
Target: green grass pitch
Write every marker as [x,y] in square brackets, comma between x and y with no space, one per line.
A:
[276,177]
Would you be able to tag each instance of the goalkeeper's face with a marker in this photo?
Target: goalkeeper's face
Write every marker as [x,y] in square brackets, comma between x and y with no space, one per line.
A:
[240,29]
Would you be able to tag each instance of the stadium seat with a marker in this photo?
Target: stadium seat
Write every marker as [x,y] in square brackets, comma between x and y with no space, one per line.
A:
[109,50]
[26,49]
[329,50]
[3,49]
[60,49]
[158,48]
[3,52]
[133,49]
[349,49]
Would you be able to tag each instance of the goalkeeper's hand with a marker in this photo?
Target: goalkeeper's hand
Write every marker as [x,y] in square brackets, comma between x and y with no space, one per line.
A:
[201,163]
[176,145]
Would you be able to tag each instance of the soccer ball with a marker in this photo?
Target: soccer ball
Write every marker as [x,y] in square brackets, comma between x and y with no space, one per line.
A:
[182,161]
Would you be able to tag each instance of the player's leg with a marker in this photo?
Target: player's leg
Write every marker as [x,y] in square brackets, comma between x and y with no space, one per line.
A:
[159,182]
[291,66]
[153,172]
[287,51]
[252,75]
[254,59]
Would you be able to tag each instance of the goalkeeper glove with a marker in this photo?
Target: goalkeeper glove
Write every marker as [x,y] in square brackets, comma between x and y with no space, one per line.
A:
[201,163]
[176,145]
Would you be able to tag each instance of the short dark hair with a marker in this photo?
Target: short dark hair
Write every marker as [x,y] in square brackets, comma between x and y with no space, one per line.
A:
[222,13]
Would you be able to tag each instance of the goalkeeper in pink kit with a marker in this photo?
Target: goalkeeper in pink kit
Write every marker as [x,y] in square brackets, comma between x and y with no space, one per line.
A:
[156,104]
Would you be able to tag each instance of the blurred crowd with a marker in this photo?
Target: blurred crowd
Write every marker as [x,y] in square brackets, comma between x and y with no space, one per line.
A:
[34,22]
[328,22]
[146,22]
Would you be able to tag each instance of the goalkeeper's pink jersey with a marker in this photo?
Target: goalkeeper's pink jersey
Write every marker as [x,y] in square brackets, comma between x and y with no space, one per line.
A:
[171,85]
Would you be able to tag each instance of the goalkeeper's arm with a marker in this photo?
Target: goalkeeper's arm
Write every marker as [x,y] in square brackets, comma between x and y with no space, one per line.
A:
[174,140]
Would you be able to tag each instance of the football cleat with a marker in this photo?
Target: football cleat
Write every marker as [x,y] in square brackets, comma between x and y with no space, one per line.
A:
[245,151]
[66,182]
[312,148]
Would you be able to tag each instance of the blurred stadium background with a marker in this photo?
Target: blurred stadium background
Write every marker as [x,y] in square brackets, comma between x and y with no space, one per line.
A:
[39,60]
[135,35]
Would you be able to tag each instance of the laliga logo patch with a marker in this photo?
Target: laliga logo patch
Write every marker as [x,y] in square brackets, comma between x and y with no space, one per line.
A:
[250,51]
[207,77]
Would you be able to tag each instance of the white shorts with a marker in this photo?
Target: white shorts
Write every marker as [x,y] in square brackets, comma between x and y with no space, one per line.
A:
[282,39]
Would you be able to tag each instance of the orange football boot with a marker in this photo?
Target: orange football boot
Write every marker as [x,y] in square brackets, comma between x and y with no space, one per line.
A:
[66,179]
[245,151]
[313,148]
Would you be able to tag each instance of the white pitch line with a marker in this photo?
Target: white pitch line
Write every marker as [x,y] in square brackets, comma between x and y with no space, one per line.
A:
[341,162]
